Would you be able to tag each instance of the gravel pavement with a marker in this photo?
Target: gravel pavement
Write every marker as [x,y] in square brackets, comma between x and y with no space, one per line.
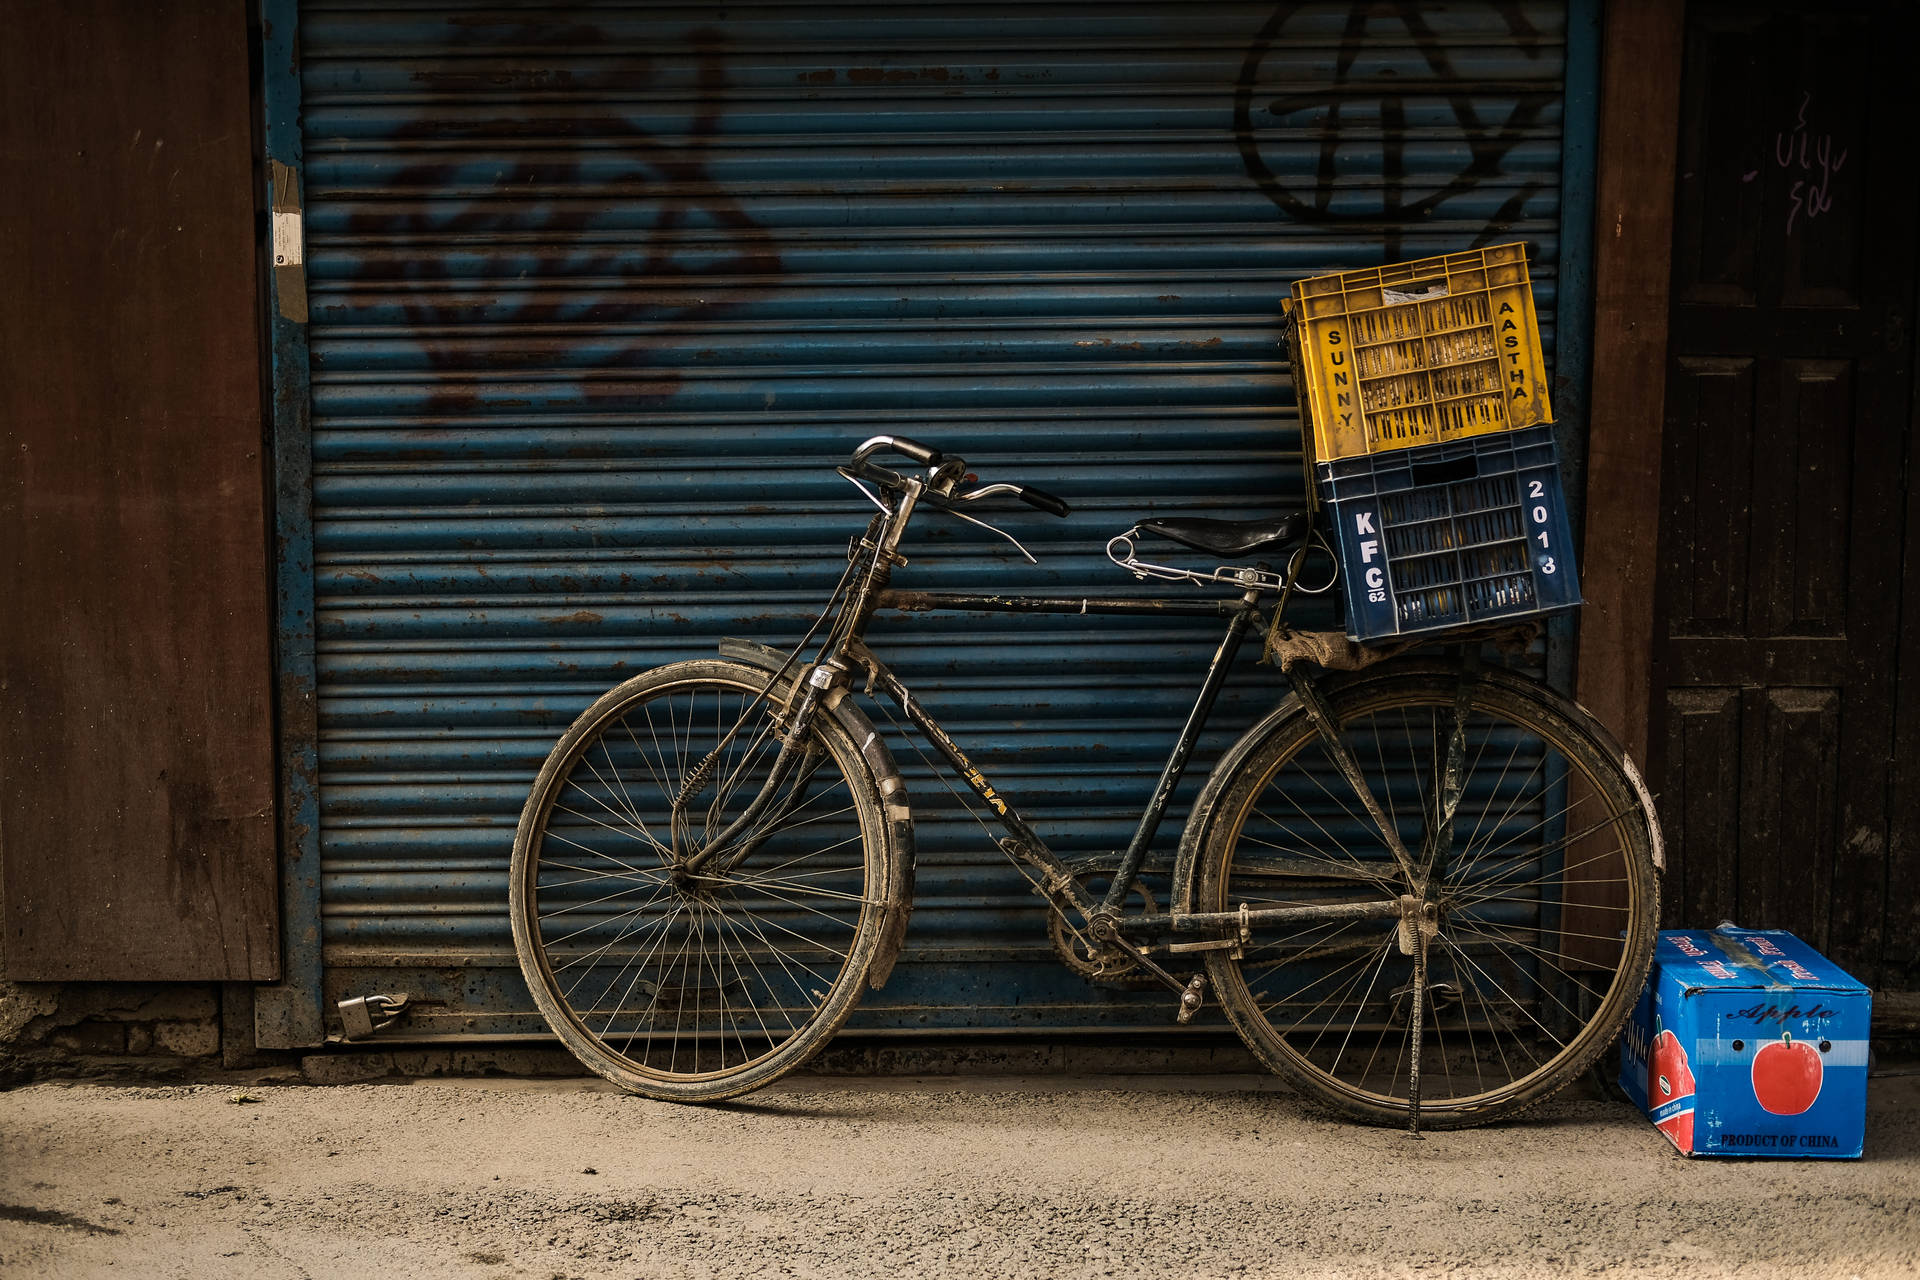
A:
[1120,1176]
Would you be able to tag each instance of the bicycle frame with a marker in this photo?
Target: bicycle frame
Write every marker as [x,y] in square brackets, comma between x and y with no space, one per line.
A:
[1027,844]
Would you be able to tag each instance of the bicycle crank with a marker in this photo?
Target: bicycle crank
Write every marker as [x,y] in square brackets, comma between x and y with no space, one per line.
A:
[1095,958]
[1191,992]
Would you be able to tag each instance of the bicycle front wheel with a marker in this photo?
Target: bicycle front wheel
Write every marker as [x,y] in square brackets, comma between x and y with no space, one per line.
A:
[696,987]
[1543,894]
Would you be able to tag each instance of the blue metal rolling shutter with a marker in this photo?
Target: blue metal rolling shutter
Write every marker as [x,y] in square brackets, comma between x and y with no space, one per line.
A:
[600,296]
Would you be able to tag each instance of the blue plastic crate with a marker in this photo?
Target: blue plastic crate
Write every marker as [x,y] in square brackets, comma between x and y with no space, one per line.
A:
[1445,535]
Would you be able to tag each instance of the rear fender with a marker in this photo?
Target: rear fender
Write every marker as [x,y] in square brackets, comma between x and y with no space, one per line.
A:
[897,892]
[1193,841]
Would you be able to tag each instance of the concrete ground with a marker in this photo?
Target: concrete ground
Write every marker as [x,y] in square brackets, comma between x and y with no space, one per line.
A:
[1123,1176]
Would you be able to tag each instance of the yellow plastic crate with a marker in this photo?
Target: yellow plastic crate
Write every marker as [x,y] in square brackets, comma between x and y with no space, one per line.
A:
[1419,352]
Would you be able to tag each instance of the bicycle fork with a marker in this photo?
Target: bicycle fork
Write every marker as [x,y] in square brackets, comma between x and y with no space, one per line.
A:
[786,783]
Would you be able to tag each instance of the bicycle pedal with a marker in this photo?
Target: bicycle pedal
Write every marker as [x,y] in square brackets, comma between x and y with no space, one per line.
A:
[1192,998]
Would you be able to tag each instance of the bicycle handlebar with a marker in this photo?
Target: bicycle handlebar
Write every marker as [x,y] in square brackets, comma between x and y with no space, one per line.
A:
[926,455]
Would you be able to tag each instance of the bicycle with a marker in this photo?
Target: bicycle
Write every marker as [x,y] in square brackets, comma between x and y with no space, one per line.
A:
[1422,888]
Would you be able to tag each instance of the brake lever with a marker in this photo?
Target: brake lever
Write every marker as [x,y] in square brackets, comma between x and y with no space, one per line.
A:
[860,484]
[961,515]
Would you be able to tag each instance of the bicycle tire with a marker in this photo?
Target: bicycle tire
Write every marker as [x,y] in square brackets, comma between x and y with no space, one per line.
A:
[1547,906]
[703,988]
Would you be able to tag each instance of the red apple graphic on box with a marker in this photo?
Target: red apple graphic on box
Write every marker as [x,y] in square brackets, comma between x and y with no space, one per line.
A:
[1786,1075]
[1670,1089]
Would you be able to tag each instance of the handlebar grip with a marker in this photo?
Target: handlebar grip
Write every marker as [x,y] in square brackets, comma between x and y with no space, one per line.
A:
[925,455]
[1044,501]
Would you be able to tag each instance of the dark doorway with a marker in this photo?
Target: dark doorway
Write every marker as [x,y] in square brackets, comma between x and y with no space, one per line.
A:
[1783,498]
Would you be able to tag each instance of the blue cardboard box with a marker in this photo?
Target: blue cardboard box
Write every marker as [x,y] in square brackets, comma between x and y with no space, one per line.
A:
[1748,1042]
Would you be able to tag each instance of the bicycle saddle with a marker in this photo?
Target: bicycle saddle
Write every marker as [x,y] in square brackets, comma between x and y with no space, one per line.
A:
[1232,538]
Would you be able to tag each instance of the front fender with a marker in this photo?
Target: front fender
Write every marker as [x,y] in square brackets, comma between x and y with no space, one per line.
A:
[897,891]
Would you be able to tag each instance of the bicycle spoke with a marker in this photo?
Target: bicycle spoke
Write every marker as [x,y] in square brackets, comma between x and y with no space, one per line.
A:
[1352,1026]
[733,957]
[1323,947]
[566,938]
[603,855]
[1364,824]
[620,782]
[1375,957]
[1366,951]
[1438,1027]
[1548,957]
[637,962]
[1413,759]
[1546,820]
[1485,1008]
[582,906]
[1515,1000]
[796,887]
[1461,902]
[780,957]
[790,826]
[1351,858]
[746,950]
[626,875]
[1493,793]
[1564,841]
[659,778]
[645,836]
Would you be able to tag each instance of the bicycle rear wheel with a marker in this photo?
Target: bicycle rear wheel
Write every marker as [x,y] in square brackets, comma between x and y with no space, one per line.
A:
[1543,888]
[683,987]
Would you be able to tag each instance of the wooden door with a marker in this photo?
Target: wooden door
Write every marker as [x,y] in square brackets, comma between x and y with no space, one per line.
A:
[136,679]
[1788,401]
